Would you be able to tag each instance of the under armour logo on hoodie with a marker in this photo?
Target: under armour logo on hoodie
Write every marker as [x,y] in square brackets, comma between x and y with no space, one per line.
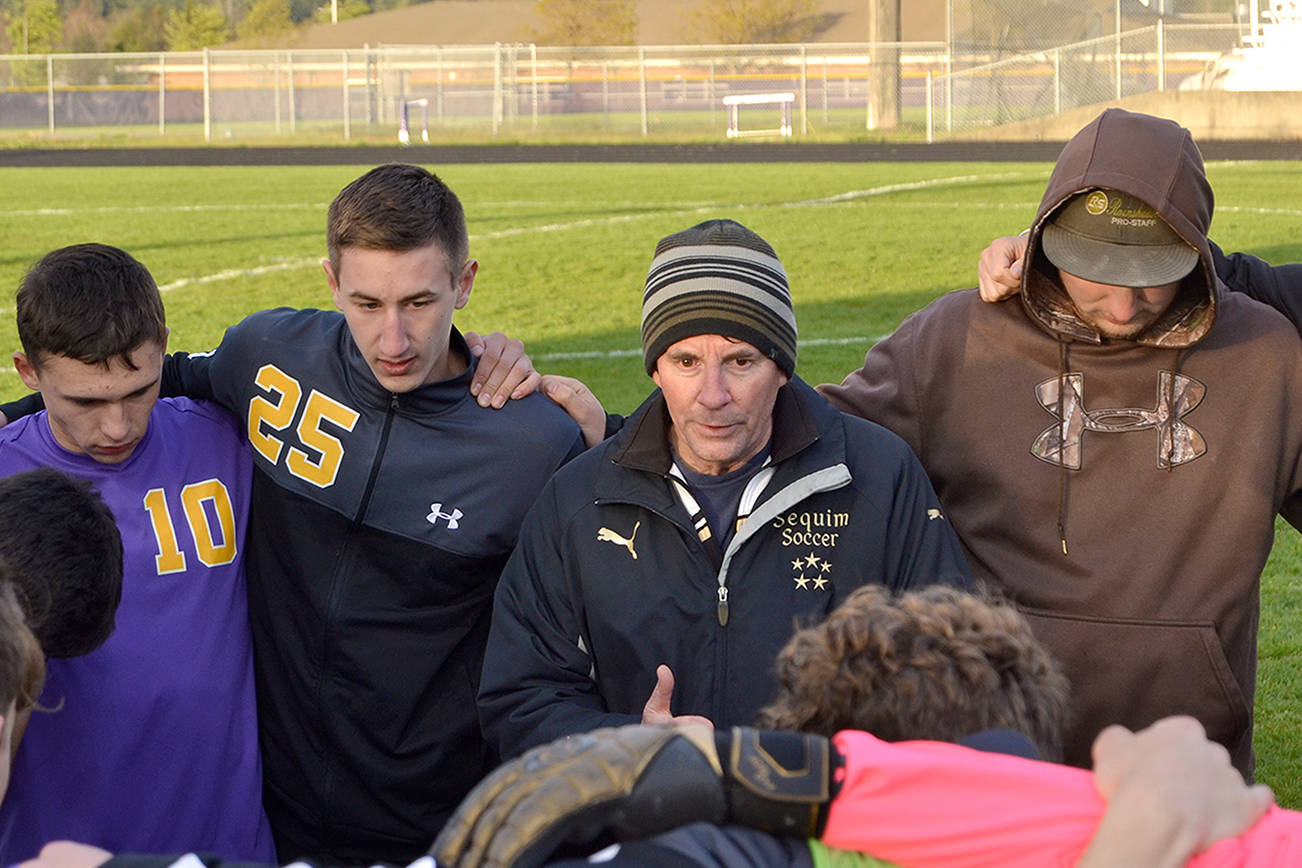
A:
[1177,441]
[435,513]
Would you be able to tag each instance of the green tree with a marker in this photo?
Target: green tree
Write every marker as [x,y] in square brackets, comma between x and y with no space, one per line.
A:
[346,9]
[736,22]
[585,22]
[193,26]
[138,28]
[85,29]
[266,20]
[34,26]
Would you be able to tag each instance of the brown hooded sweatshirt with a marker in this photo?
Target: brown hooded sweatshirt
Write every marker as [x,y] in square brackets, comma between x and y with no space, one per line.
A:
[1122,492]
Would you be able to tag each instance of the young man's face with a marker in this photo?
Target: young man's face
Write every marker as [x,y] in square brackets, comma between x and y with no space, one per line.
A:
[399,306]
[97,411]
[1118,312]
[720,393]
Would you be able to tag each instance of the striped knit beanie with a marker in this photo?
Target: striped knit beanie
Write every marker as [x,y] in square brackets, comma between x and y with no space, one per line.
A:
[718,278]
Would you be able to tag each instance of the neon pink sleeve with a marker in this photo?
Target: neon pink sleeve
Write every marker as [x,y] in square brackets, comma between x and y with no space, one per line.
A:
[925,804]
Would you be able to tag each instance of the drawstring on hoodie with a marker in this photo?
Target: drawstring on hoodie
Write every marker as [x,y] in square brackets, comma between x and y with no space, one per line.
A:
[1062,447]
[1168,438]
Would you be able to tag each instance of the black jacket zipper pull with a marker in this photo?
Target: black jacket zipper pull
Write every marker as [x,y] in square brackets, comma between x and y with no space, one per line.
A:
[723,606]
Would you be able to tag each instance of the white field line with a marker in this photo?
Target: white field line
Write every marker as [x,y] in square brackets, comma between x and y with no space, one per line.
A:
[314,262]
[309,262]
[848,196]
[623,354]
[154,209]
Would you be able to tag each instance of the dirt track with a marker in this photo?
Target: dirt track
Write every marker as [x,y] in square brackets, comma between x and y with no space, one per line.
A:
[723,153]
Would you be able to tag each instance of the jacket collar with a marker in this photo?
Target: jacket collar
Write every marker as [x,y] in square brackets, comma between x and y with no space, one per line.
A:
[424,400]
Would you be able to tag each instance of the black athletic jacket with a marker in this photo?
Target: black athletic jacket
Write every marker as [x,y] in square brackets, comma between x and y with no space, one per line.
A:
[380,524]
[611,577]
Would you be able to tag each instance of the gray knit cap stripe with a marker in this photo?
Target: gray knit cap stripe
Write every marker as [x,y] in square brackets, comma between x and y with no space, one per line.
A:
[718,278]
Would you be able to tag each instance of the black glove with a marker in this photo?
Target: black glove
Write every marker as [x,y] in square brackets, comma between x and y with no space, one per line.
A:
[637,781]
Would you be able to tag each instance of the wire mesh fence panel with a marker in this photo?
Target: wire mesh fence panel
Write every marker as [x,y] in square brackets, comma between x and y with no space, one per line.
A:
[1104,69]
[1003,61]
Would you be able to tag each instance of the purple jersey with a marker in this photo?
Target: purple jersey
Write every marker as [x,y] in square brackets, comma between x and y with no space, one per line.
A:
[149,744]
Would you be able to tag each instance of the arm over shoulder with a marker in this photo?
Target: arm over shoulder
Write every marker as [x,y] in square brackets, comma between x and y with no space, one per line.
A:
[884,390]
[1279,286]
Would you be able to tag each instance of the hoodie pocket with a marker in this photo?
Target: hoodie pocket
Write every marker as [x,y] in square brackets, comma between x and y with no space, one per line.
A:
[1134,672]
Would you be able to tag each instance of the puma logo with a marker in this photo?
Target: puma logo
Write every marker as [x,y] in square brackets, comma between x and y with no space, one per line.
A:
[933,514]
[605,534]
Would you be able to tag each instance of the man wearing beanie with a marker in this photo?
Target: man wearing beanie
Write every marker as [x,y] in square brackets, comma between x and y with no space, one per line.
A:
[658,574]
[1112,446]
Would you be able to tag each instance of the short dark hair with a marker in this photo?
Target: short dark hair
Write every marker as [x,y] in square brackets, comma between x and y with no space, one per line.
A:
[22,666]
[65,558]
[399,207]
[89,302]
[934,664]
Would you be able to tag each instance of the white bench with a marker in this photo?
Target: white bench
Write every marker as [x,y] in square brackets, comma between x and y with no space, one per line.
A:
[782,100]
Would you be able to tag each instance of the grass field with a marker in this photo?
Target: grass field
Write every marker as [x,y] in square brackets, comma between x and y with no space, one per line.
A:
[564,249]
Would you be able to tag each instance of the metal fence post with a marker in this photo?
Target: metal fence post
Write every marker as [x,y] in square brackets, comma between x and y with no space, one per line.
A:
[1057,80]
[825,121]
[870,122]
[207,96]
[382,93]
[605,92]
[275,89]
[930,137]
[49,89]
[510,88]
[438,93]
[641,71]
[1118,50]
[293,112]
[347,119]
[533,63]
[804,91]
[366,79]
[162,94]
[497,89]
[1161,54]
[949,66]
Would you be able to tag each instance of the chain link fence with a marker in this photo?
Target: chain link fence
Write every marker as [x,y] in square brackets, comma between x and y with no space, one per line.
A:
[1099,70]
[985,74]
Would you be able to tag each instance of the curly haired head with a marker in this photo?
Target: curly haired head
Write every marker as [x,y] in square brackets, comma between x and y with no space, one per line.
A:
[933,664]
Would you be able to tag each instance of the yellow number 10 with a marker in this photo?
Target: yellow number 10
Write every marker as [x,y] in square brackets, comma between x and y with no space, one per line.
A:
[211,553]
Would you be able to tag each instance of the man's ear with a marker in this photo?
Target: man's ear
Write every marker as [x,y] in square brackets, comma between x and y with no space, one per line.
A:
[466,282]
[333,280]
[26,371]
